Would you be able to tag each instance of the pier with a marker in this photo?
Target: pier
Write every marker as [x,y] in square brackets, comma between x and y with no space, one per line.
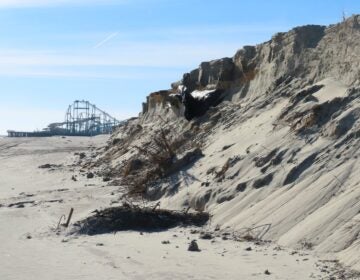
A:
[81,119]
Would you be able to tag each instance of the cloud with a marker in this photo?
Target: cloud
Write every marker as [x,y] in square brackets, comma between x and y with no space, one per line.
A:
[113,62]
[212,31]
[55,3]
[155,54]
[166,48]
[84,73]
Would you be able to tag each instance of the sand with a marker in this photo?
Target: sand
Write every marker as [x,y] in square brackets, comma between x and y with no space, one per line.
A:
[31,249]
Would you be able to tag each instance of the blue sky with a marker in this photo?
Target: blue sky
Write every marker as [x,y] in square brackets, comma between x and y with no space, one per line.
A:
[115,52]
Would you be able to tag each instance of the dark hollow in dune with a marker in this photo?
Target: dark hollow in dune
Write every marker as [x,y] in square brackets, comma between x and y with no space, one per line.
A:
[128,217]
[295,173]
[263,181]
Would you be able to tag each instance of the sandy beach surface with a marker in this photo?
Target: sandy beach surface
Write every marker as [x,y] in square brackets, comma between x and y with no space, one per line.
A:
[33,199]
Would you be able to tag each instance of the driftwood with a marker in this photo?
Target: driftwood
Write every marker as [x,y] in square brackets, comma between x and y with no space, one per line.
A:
[69,217]
[130,217]
[63,217]
[255,233]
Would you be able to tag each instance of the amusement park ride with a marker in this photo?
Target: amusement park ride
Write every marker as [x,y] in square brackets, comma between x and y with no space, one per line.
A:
[81,119]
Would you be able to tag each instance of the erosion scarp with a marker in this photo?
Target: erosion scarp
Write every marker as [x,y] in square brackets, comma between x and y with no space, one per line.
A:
[276,130]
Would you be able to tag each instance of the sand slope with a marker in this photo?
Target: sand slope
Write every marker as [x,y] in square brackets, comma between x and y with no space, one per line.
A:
[280,152]
[30,249]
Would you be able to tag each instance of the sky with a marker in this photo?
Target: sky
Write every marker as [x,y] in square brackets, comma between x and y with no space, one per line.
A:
[115,52]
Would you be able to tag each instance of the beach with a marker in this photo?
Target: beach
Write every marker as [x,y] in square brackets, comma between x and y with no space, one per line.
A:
[33,199]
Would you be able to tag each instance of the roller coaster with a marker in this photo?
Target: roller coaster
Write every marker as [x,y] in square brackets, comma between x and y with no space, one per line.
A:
[81,119]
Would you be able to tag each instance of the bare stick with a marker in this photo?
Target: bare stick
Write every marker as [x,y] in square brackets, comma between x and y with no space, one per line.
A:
[156,206]
[59,223]
[69,217]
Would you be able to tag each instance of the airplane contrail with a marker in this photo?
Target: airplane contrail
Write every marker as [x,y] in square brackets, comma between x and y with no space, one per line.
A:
[108,38]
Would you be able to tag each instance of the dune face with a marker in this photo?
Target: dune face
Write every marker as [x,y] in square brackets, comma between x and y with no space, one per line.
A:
[41,179]
[277,131]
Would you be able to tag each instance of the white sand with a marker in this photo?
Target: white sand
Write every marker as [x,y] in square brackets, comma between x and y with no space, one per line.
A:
[125,255]
[319,206]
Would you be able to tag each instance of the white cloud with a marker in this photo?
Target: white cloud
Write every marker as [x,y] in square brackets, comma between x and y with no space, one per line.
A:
[157,54]
[111,62]
[54,3]
[212,31]
[162,48]
[120,74]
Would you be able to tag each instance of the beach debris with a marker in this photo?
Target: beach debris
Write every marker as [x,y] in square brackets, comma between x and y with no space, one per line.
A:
[59,223]
[45,166]
[157,205]
[62,190]
[162,157]
[132,166]
[307,245]
[90,175]
[53,201]
[227,147]
[73,177]
[205,184]
[63,217]
[69,217]
[48,166]
[133,217]
[267,272]
[21,204]
[165,242]
[26,195]
[206,236]
[254,234]
[194,247]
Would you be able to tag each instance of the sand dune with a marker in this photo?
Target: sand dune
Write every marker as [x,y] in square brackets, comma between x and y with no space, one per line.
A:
[30,249]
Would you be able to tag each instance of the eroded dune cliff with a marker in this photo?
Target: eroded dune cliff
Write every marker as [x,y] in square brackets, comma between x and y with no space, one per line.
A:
[266,139]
